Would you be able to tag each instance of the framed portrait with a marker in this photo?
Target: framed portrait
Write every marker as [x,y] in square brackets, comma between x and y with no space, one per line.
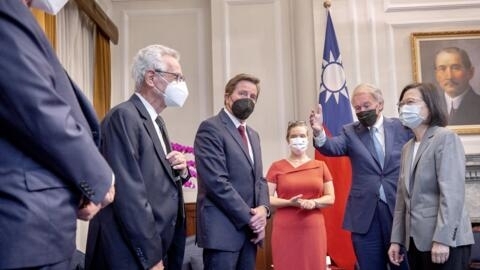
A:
[438,57]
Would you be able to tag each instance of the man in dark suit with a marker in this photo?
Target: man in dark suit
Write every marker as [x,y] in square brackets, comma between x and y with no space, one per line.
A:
[145,227]
[232,200]
[49,161]
[453,71]
[374,145]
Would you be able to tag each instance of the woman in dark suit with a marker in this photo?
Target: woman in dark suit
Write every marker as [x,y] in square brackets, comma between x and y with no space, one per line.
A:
[430,217]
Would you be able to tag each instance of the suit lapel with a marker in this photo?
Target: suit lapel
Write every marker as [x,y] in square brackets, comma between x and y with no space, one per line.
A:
[152,133]
[426,140]
[230,127]
[389,139]
[255,150]
[407,164]
[364,135]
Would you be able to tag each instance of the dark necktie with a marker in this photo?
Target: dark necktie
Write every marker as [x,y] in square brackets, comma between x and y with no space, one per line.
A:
[168,148]
[241,130]
[163,131]
[452,111]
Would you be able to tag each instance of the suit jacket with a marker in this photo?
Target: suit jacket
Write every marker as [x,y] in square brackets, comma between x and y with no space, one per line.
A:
[136,230]
[468,112]
[431,193]
[229,183]
[367,173]
[48,156]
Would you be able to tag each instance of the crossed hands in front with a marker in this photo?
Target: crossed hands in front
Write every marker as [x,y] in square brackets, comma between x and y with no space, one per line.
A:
[297,201]
[258,222]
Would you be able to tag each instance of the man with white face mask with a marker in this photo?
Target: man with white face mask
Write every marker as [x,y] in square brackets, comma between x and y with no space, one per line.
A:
[49,161]
[145,228]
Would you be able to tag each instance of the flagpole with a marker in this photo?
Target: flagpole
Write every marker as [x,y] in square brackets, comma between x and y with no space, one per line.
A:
[327,4]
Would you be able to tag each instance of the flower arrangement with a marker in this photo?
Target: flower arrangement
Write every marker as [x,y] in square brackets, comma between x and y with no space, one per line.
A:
[188,151]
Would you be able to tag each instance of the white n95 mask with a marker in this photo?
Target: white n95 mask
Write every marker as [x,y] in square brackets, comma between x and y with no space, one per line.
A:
[176,94]
[49,6]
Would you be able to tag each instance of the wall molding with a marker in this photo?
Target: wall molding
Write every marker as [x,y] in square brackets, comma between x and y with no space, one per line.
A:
[128,15]
[391,6]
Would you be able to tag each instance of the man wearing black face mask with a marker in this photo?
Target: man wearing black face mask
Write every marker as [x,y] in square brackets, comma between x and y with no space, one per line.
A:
[232,201]
[374,145]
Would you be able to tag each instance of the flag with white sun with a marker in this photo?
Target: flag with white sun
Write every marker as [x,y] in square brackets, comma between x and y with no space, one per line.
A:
[333,87]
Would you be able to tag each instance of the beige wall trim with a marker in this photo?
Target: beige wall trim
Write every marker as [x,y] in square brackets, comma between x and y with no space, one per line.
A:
[95,12]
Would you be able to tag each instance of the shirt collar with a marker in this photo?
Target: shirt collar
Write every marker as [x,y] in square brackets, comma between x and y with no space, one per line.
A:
[235,121]
[151,111]
[454,101]
[379,124]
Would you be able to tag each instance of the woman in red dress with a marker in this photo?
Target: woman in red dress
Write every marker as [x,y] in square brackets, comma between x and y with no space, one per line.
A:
[303,187]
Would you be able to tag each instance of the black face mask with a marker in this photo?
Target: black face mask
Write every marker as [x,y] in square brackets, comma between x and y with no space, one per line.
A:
[367,118]
[242,108]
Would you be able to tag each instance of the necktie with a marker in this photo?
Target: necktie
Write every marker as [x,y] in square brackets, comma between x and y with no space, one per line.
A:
[380,157]
[178,181]
[452,111]
[241,130]
[377,145]
[163,131]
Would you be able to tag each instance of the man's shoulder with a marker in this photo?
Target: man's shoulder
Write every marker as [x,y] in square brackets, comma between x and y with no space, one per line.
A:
[470,104]
[125,109]
[472,97]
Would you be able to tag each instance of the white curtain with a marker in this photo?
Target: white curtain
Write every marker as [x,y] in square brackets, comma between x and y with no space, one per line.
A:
[76,51]
[76,46]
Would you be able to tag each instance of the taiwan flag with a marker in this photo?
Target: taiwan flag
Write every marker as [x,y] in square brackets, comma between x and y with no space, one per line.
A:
[336,112]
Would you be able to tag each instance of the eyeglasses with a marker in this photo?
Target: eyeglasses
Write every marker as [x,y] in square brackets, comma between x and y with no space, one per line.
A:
[178,77]
[409,101]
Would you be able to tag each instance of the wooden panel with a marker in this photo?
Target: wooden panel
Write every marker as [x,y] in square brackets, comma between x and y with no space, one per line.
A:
[191,218]
[264,255]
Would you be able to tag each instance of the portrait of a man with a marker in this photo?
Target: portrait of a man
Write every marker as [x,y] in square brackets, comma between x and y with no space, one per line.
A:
[453,72]
[452,62]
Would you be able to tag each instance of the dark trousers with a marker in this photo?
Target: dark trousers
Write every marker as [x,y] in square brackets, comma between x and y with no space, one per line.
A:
[371,248]
[458,259]
[244,259]
[176,251]
[63,265]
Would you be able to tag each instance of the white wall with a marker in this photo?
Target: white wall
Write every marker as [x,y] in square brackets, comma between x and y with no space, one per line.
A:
[280,41]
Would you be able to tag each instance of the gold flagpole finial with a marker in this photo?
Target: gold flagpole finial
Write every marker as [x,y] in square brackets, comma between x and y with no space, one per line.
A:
[327,3]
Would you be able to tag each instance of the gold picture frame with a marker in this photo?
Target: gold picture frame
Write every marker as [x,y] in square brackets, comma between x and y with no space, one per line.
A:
[425,45]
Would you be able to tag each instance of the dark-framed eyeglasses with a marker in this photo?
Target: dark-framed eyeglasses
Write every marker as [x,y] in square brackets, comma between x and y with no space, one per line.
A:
[177,76]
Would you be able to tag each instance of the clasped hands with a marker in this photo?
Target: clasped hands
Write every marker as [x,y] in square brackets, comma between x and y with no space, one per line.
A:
[302,203]
[257,223]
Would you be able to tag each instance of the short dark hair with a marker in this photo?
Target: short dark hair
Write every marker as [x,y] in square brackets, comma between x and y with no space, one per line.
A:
[232,83]
[435,102]
[463,56]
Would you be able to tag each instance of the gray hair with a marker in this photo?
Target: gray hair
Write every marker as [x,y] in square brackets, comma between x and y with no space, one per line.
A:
[150,58]
[371,89]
